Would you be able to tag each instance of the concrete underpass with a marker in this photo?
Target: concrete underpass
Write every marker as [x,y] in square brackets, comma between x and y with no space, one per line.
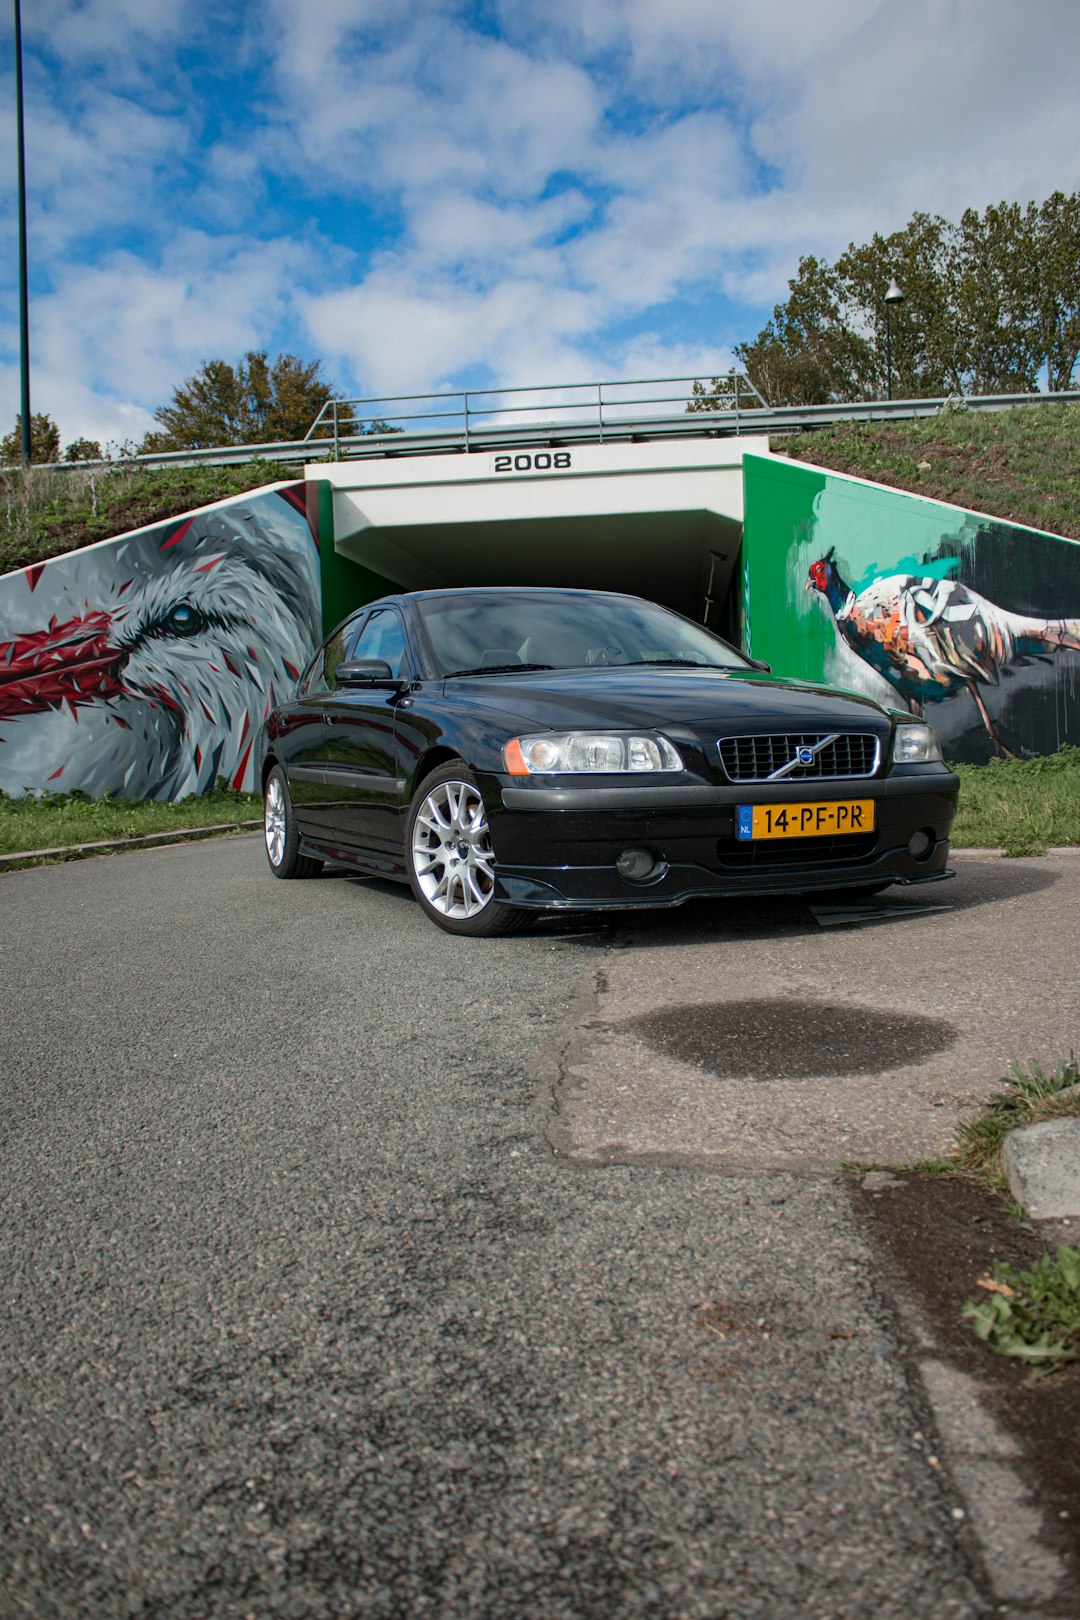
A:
[659,520]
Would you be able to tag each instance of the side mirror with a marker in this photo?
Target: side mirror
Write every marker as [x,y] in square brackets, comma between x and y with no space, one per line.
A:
[366,672]
[760,664]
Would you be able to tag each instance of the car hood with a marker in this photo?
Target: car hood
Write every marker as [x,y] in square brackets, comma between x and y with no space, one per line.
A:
[662,698]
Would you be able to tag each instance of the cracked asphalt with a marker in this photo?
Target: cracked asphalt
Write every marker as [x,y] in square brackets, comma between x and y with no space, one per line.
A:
[303,1316]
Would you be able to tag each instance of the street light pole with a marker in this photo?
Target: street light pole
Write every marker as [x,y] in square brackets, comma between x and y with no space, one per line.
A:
[893,296]
[24,304]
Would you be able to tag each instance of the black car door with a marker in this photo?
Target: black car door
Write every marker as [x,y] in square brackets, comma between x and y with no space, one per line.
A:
[363,770]
[306,739]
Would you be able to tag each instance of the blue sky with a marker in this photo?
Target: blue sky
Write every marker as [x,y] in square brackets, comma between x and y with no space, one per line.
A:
[439,194]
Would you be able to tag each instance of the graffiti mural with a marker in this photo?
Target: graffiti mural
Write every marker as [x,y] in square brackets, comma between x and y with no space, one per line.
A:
[144,666]
[971,621]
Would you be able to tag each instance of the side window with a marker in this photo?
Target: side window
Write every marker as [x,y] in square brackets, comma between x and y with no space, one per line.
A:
[327,659]
[383,637]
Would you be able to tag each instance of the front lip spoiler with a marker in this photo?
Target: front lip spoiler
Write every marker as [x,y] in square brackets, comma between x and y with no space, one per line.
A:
[534,895]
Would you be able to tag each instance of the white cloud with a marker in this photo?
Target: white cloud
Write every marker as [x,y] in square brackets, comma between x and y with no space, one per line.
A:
[117,337]
[430,201]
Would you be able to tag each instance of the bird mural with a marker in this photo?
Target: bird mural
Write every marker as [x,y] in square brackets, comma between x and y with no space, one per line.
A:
[934,638]
[155,659]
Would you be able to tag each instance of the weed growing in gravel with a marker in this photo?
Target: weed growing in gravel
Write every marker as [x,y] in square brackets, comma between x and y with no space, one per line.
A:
[1033,1316]
[1035,1093]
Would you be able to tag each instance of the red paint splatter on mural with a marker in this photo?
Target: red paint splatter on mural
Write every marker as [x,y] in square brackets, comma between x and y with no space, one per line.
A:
[239,777]
[33,574]
[175,539]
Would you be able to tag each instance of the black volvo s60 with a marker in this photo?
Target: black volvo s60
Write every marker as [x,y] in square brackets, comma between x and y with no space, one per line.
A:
[510,751]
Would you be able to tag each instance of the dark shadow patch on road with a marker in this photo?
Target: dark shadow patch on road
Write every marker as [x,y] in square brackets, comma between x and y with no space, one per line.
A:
[781,1039]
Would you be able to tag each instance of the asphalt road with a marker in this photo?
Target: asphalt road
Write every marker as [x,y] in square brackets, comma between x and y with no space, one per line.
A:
[303,1317]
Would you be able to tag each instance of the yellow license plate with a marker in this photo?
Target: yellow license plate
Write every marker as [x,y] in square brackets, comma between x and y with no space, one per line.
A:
[805,820]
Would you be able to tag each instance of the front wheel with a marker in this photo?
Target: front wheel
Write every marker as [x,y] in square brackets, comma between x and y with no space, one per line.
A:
[279,830]
[451,860]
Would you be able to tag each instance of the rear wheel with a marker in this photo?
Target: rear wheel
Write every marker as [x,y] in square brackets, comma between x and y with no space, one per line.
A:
[451,859]
[279,830]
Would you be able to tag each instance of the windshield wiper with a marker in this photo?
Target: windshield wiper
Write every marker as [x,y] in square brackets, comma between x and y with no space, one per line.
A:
[683,663]
[496,669]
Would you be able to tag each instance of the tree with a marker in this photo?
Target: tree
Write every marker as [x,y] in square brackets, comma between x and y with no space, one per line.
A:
[44,441]
[990,305]
[1054,255]
[252,403]
[83,450]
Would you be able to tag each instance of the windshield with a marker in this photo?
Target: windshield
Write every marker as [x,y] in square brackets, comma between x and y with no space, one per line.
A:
[563,630]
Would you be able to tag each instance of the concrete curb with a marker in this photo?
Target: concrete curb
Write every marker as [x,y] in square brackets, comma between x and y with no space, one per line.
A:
[74,852]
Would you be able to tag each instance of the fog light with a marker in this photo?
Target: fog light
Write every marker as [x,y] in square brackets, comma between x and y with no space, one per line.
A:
[635,863]
[922,842]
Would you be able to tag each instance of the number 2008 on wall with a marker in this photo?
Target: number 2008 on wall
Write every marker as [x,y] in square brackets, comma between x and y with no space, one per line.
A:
[534,461]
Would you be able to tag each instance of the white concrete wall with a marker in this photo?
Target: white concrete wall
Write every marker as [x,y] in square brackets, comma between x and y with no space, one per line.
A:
[701,475]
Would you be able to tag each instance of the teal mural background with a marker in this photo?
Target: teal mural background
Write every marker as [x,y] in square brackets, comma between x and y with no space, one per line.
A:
[796,515]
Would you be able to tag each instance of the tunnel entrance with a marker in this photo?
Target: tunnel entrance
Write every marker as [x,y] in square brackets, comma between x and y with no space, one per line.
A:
[663,521]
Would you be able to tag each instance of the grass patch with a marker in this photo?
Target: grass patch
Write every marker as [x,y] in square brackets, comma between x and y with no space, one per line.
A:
[45,513]
[62,820]
[1022,464]
[1019,805]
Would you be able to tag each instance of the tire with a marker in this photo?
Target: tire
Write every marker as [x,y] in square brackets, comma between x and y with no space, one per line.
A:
[279,831]
[451,861]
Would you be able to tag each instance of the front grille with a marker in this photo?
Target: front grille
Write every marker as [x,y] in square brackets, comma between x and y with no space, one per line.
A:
[759,759]
[765,854]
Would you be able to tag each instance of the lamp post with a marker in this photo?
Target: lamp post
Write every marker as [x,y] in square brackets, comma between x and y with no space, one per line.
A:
[24,307]
[893,296]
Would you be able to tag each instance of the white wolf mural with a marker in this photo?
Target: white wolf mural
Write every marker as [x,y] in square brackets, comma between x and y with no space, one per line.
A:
[143,667]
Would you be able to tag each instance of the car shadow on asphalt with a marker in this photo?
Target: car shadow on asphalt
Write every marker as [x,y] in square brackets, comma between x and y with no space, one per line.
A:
[985,882]
[699,921]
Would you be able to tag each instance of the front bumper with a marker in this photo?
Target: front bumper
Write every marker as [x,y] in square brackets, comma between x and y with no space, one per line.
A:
[556,846]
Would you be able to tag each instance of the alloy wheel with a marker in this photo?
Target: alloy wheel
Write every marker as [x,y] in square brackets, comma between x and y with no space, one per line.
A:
[453,861]
[274,821]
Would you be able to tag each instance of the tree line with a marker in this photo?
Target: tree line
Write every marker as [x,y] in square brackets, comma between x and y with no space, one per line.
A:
[990,306]
[257,401]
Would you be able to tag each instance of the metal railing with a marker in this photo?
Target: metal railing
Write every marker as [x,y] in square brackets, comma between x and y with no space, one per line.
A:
[593,415]
[481,410]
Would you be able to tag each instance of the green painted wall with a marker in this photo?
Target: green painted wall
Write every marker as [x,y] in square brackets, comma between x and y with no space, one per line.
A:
[931,606]
[346,585]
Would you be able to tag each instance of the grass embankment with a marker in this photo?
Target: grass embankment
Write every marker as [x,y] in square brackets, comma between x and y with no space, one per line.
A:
[60,821]
[1021,465]
[1019,806]
[45,513]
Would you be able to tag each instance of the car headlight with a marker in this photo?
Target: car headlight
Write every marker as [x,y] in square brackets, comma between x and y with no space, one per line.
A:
[915,745]
[606,753]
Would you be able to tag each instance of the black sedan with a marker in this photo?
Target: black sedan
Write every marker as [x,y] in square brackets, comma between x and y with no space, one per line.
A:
[511,751]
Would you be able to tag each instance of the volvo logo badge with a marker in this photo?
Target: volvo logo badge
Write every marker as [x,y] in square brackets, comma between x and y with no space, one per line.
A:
[804,755]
